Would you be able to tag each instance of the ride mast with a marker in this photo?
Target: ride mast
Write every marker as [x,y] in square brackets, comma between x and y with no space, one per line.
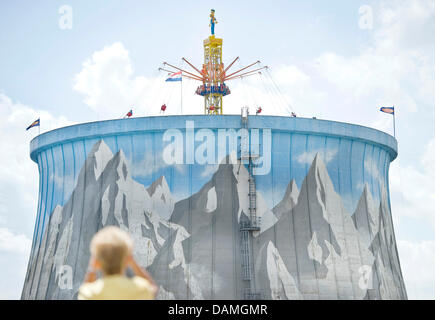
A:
[213,74]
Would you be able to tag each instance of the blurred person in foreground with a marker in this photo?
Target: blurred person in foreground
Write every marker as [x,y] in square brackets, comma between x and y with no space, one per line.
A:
[111,255]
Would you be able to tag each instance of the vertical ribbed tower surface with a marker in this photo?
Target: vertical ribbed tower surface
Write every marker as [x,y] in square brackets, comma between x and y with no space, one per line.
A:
[180,187]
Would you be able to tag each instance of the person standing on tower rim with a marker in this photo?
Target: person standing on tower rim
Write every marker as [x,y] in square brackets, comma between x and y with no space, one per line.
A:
[213,21]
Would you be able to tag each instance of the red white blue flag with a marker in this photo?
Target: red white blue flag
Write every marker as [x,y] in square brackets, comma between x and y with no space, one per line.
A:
[389,110]
[35,123]
[175,77]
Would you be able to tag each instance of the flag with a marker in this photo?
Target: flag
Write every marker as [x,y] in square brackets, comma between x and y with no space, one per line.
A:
[34,124]
[175,77]
[129,114]
[389,110]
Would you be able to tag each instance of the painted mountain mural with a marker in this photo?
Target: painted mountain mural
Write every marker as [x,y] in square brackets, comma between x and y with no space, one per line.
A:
[323,252]
[308,247]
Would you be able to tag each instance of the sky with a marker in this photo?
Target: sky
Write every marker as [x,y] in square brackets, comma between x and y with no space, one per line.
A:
[76,61]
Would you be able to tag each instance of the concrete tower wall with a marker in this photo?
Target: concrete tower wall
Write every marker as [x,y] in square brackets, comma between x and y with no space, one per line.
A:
[321,194]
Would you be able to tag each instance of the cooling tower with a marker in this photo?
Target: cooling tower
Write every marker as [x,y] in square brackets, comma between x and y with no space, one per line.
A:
[220,207]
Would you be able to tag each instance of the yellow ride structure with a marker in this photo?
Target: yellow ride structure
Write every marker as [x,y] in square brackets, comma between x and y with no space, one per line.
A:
[213,74]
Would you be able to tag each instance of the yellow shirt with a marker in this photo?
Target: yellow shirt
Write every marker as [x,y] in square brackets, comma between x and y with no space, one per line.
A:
[116,287]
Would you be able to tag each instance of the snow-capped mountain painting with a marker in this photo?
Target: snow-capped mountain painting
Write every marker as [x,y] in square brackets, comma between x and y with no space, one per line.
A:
[309,245]
[324,252]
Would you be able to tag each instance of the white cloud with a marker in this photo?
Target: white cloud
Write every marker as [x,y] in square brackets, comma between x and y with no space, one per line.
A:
[412,190]
[14,253]
[395,68]
[110,87]
[18,189]
[413,187]
[370,75]
[417,261]
[308,157]
[291,75]
[106,80]
[19,174]
[381,74]
[10,242]
[279,91]
[406,24]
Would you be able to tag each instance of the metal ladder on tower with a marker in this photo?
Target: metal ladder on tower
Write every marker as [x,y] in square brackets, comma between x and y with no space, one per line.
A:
[248,226]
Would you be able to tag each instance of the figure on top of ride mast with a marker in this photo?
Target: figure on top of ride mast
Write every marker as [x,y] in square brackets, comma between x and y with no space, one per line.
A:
[213,21]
